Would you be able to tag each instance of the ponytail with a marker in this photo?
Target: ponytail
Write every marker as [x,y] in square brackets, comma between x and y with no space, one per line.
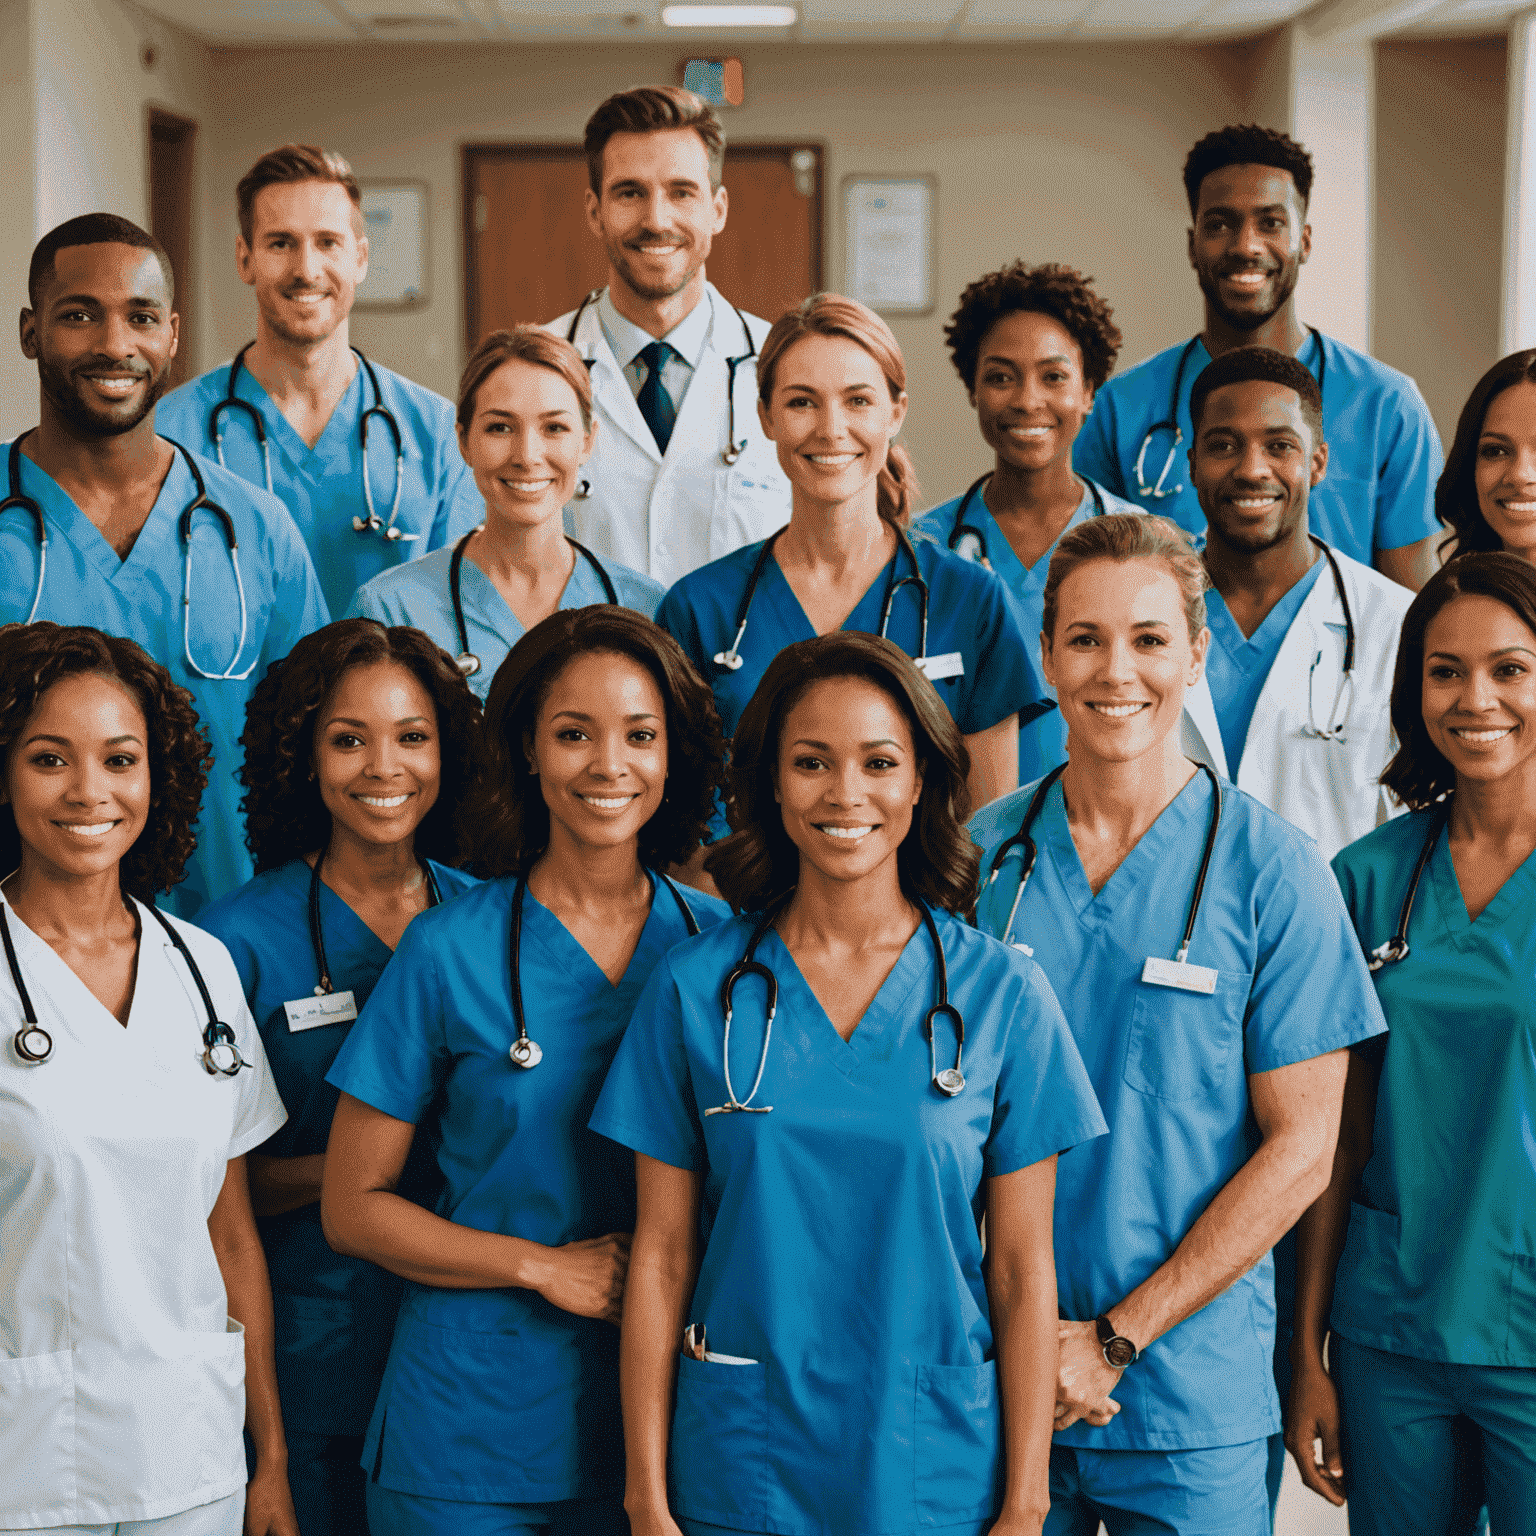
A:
[897,491]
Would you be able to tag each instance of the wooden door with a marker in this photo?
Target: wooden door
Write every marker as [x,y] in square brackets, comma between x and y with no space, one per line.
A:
[529,255]
[171,141]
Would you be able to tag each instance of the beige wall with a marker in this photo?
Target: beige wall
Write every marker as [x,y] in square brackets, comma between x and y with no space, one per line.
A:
[1439,213]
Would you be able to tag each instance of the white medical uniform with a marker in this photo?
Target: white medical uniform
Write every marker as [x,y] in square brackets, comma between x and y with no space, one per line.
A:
[122,1378]
[667,514]
[1329,789]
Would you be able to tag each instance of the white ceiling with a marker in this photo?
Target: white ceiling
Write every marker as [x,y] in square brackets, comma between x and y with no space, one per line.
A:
[417,21]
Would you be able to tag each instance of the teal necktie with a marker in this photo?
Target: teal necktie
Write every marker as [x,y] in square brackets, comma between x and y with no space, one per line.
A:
[654,401]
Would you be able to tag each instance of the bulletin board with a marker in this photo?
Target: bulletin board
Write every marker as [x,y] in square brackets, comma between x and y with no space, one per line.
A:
[889,234]
[395,221]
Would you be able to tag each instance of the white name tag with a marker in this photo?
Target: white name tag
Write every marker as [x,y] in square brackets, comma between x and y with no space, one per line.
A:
[1180,974]
[935,668]
[316,1012]
[1020,945]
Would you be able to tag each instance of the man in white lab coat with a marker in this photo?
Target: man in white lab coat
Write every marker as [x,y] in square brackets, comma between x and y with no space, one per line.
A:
[681,473]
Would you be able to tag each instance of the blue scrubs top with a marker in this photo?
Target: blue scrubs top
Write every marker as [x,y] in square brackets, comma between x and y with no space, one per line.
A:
[497,1396]
[333,1313]
[841,1248]
[1383,451]
[418,594]
[1440,1261]
[323,486]
[140,598]
[1237,665]
[1043,741]
[1171,1069]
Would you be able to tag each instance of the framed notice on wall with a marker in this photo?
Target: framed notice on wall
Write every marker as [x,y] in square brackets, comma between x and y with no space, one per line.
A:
[888,242]
[395,220]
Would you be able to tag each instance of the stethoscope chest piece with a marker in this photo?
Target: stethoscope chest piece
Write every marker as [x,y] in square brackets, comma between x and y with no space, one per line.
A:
[467,663]
[950,1081]
[221,1056]
[525,1052]
[33,1043]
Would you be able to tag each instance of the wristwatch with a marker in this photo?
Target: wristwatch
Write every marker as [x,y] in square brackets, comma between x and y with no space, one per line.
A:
[1119,1352]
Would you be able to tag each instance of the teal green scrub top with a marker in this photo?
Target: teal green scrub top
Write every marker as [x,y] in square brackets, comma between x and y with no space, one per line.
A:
[842,1259]
[1171,1070]
[1440,1260]
[333,1314]
[498,1396]
[141,599]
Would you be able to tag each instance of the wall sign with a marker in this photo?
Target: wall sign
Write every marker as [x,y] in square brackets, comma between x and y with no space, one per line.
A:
[888,242]
[395,218]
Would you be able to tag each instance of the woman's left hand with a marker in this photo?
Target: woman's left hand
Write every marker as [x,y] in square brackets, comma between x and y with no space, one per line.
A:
[268,1503]
[1017,1525]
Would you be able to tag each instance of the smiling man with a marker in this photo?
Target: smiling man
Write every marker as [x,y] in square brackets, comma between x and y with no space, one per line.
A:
[1248,189]
[681,473]
[365,460]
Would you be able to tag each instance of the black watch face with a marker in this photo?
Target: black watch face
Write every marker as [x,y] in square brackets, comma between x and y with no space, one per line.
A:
[1119,1353]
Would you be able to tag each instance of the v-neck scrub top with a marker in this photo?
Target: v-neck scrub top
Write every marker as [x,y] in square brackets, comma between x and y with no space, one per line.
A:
[1440,1260]
[333,1313]
[323,486]
[140,598]
[1171,1069]
[122,1377]
[842,1260]
[419,594]
[498,1396]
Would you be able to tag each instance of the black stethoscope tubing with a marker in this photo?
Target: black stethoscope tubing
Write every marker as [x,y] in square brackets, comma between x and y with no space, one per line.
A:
[1334,729]
[732,450]
[964,530]
[317,933]
[1396,948]
[526,1052]
[28,504]
[466,661]
[34,1045]
[730,658]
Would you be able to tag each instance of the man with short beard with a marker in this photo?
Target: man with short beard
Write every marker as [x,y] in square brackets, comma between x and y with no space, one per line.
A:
[142,538]
[1248,189]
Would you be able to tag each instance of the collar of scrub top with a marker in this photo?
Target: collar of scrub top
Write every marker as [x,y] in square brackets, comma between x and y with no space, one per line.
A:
[1022,839]
[1171,424]
[1396,948]
[526,1052]
[949,1082]
[317,933]
[733,450]
[466,661]
[34,1045]
[974,540]
[730,658]
[22,502]
[372,523]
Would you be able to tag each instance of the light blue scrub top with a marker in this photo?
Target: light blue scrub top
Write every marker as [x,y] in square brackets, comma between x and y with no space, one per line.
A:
[1440,1260]
[1043,741]
[841,1247]
[323,486]
[333,1314]
[140,598]
[1171,1070]
[418,594]
[497,1396]
[1384,454]
[1237,666]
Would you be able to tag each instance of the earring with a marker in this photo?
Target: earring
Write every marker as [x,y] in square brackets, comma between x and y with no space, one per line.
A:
[583,491]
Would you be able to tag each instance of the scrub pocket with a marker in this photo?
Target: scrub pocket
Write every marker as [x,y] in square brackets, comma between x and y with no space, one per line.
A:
[328,1368]
[719,1451]
[1184,1045]
[957,1462]
[1367,1293]
[1521,1341]
[37,1433]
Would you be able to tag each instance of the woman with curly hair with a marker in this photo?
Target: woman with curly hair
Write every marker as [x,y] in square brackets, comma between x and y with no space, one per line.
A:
[359,748]
[811,1182]
[1031,345]
[132,1087]
[494,1026]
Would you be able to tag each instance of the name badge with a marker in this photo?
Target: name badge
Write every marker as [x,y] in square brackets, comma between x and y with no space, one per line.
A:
[1180,974]
[316,1012]
[935,668]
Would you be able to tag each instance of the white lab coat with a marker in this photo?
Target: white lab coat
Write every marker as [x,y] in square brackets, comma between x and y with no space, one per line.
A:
[1327,788]
[668,515]
[122,1378]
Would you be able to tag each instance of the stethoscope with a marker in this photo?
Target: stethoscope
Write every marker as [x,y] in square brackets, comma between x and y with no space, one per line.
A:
[372,523]
[1172,423]
[1345,692]
[201,501]
[730,658]
[974,540]
[466,661]
[732,450]
[1022,839]
[949,1082]
[34,1045]
[317,933]
[1396,948]
[528,1053]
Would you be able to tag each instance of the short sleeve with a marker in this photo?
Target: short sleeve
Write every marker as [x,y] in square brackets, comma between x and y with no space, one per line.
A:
[1044,1103]
[298,606]
[1007,681]
[679,618]
[396,1055]
[366,604]
[259,1111]
[1094,454]
[1410,467]
[647,1102]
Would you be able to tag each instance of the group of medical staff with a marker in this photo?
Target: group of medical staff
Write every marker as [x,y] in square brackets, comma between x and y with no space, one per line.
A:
[586,928]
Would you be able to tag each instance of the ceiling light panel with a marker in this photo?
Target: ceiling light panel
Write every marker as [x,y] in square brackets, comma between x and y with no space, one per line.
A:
[263,21]
[1005,19]
[1139,18]
[892,20]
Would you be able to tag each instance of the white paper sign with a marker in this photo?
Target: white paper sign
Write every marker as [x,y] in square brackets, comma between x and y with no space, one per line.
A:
[888,229]
[395,221]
